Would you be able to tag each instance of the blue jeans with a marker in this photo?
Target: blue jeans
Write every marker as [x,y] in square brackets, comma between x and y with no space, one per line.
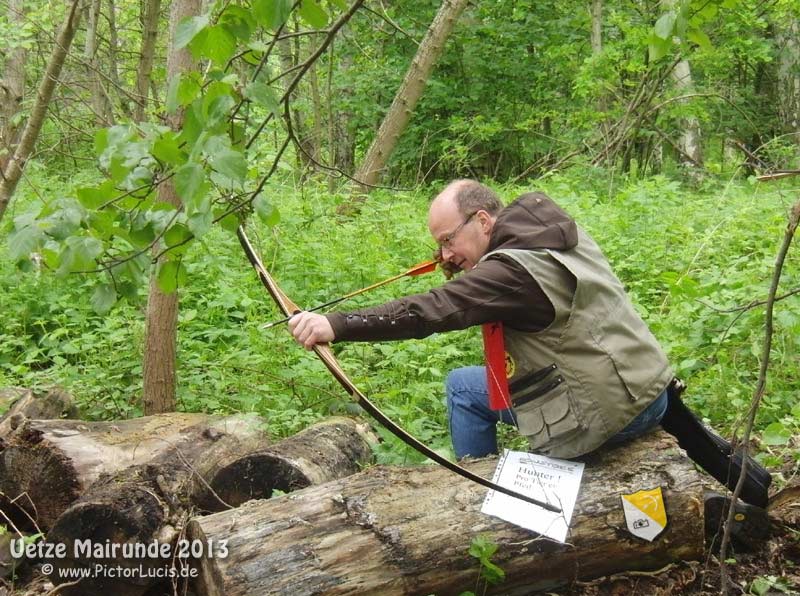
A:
[473,426]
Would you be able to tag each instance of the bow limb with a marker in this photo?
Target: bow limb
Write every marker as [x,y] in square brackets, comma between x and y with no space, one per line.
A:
[323,351]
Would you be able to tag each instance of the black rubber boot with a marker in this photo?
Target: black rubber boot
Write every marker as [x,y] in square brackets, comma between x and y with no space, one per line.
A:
[711,452]
[750,527]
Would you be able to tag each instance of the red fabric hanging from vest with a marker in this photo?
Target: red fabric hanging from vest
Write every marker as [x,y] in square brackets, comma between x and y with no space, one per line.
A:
[494,350]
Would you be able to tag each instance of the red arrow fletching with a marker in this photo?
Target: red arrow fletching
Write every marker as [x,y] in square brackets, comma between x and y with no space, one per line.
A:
[421,268]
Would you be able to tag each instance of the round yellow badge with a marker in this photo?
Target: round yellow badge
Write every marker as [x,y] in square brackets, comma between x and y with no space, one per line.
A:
[511,366]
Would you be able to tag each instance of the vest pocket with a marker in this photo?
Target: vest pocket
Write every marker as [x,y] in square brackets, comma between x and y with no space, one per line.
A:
[547,419]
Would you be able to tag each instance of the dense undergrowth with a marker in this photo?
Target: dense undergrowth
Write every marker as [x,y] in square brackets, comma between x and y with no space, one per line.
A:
[688,255]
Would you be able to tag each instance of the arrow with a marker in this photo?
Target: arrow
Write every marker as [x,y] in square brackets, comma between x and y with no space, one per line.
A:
[418,269]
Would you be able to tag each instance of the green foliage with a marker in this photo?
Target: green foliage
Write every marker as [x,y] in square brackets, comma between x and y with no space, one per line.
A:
[771,584]
[483,549]
[684,255]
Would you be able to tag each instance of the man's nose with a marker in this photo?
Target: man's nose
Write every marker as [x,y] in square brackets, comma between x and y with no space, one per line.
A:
[447,254]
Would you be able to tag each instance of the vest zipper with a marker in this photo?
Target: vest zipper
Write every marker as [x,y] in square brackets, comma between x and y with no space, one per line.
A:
[531,378]
[539,392]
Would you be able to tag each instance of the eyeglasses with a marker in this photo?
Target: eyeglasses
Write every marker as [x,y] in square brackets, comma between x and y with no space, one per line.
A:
[447,241]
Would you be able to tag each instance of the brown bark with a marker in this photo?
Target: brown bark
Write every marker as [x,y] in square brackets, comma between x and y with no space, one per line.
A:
[52,462]
[334,448]
[12,88]
[12,172]
[161,327]
[400,530]
[416,78]
[147,502]
[152,8]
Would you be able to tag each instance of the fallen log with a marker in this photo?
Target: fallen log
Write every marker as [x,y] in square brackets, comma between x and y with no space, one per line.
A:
[151,503]
[407,530]
[18,403]
[46,464]
[334,448]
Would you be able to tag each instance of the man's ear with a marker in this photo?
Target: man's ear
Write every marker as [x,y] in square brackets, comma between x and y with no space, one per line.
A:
[485,218]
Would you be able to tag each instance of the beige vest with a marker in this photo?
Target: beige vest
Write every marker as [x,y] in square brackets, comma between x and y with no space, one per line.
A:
[580,381]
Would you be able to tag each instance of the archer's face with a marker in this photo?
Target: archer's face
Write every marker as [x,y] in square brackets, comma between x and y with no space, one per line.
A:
[463,238]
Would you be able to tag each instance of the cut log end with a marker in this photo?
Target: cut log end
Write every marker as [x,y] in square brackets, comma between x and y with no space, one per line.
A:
[256,476]
[42,484]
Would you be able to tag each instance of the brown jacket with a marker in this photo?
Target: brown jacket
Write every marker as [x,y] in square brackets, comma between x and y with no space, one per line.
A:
[498,289]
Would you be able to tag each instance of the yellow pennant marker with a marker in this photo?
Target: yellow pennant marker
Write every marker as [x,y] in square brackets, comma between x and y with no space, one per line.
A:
[645,513]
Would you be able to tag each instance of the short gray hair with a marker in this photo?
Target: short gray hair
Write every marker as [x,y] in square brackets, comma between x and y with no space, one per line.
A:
[471,196]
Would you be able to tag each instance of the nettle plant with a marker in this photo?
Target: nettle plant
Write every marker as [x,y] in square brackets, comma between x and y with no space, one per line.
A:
[214,155]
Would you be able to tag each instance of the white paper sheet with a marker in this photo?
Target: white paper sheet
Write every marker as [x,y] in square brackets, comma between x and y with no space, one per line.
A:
[554,481]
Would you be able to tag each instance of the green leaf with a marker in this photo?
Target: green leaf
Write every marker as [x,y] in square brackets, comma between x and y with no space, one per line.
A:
[776,434]
[215,43]
[100,141]
[171,275]
[200,222]
[182,91]
[166,149]
[658,48]
[79,254]
[263,95]
[188,181]
[230,163]
[188,28]
[230,222]
[142,236]
[665,25]
[699,37]
[238,21]
[271,14]
[176,235]
[129,291]
[266,211]
[103,298]
[103,223]
[219,110]
[23,241]
[313,14]
[93,197]
[762,585]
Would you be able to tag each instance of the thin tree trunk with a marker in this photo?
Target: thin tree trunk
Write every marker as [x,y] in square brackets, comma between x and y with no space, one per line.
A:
[12,172]
[289,58]
[597,26]
[162,309]
[152,8]
[341,144]
[596,10]
[399,114]
[316,124]
[689,143]
[113,62]
[96,93]
[789,75]
[12,88]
